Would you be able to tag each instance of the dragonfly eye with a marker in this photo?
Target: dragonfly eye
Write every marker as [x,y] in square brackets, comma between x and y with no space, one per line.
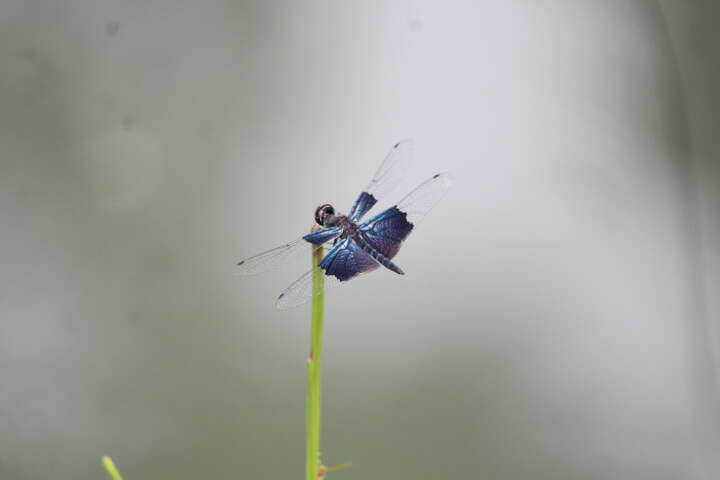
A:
[322,212]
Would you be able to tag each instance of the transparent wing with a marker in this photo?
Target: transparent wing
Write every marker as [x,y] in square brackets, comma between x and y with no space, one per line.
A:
[392,169]
[420,201]
[270,259]
[387,177]
[386,231]
[345,261]
[300,291]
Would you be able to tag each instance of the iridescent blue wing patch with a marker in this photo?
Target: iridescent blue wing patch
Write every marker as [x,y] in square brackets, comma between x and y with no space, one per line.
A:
[343,262]
[347,260]
[362,205]
[386,178]
[386,231]
[323,235]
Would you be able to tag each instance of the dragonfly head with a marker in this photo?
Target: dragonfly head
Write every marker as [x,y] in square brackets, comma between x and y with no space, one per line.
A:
[324,213]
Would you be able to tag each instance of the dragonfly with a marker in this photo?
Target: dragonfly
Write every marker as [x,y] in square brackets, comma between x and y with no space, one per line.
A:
[357,246]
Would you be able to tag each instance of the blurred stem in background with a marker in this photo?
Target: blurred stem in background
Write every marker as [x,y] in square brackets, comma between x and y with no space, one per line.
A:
[111,468]
[315,368]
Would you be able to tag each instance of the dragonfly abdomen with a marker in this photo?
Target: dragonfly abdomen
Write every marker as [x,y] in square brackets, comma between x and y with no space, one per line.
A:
[377,256]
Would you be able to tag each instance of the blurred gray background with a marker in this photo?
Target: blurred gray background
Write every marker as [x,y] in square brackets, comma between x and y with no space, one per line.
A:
[558,319]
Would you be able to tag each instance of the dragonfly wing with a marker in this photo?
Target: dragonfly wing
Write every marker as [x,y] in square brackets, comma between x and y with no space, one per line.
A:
[347,260]
[300,291]
[420,201]
[344,261]
[385,179]
[387,230]
[270,259]
[323,235]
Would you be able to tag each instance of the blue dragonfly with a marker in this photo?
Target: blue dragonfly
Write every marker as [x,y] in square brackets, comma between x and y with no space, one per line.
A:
[357,247]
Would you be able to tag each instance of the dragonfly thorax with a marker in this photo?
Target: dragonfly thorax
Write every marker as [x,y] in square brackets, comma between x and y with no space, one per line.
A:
[348,227]
[341,221]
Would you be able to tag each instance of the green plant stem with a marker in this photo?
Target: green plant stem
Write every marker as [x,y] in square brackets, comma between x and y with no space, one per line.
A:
[111,468]
[315,367]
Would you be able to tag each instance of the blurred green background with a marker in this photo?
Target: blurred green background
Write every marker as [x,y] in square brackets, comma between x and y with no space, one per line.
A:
[558,319]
